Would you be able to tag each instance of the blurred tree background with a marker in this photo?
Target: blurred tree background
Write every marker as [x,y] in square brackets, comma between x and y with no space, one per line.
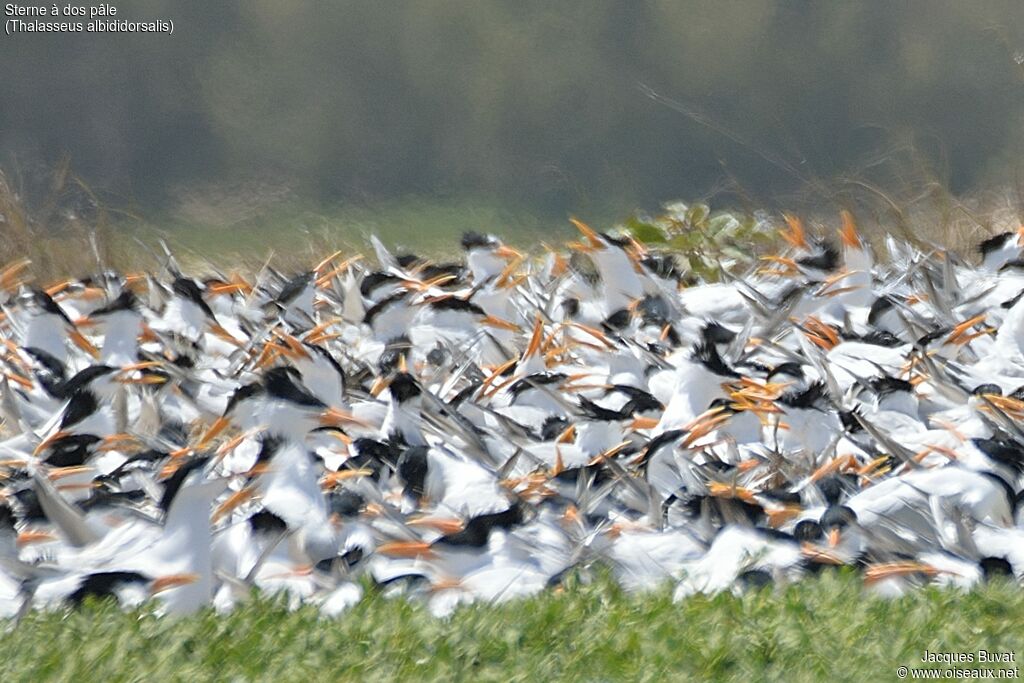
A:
[538,105]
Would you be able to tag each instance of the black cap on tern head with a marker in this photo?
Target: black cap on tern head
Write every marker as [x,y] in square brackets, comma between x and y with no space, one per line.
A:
[474,240]
[404,387]
[176,480]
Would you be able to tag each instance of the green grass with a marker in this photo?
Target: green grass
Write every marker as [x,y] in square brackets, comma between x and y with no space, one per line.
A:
[241,231]
[822,629]
[297,232]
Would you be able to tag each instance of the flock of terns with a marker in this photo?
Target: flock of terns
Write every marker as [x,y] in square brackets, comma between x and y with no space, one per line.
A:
[477,430]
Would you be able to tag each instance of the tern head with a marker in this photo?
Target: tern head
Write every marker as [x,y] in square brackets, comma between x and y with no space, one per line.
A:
[835,520]
[191,476]
[412,470]
[996,568]
[346,504]
[266,522]
[813,397]
[404,388]
[1000,249]
[125,302]
[892,393]
[707,355]
[38,302]
[808,531]
[189,290]
[8,532]
[715,333]
[284,383]
[487,257]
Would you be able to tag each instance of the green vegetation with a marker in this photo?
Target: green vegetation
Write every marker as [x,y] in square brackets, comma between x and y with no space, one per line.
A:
[294,232]
[706,240]
[57,228]
[822,629]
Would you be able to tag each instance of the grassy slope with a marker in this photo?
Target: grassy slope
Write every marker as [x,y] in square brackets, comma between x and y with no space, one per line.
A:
[295,234]
[428,227]
[825,629]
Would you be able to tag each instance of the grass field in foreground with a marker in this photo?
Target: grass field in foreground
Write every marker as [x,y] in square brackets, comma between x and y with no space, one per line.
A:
[823,629]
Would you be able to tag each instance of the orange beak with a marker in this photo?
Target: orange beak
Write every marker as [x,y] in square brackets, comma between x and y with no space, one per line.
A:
[117,442]
[147,336]
[595,333]
[233,502]
[442,524]
[332,479]
[720,490]
[644,423]
[228,288]
[221,333]
[820,555]
[588,232]
[821,334]
[270,353]
[535,339]
[172,581]
[795,236]
[295,349]
[507,252]
[218,426]
[559,266]
[235,441]
[29,537]
[1011,406]
[559,466]
[873,467]
[567,436]
[258,469]
[49,441]
[704,428]
[848,233]
[842,463]
[58,473]
[500,324]
[746,465]
[409,549]
[19,380]
[336,416]
[507,278]
[779,516]
[125,375]
[379,385]
[425,285]
[888,570]
[92,294]
[81,342]
[143,379]
[58,287]
[326,262]
[319,333]
[610,453]
[959,333]
[496,373]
